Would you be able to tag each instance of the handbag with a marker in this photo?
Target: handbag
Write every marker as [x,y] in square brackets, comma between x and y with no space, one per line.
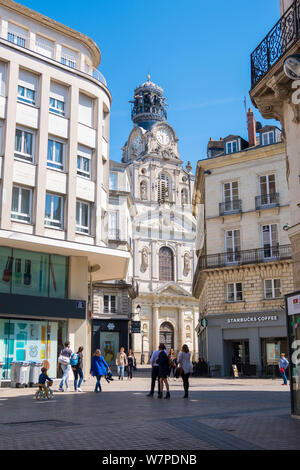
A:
[63,360]
[281,369]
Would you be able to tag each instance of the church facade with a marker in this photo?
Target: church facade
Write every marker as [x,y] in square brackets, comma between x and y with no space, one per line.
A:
[163,234]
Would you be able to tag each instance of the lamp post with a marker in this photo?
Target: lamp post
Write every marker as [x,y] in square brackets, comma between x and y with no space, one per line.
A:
[142,355]
[130,315]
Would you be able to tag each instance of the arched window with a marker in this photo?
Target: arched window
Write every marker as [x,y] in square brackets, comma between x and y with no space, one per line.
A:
[163,193]
[184,196]
[143,190]
[166,264]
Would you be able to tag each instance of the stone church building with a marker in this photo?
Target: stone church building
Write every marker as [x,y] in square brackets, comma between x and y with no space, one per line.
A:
[163,233]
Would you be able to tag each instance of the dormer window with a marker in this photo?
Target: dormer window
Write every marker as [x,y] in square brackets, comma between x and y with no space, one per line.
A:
[231,147]
[267,138]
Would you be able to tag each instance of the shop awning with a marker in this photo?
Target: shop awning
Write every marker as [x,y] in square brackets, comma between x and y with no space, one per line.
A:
[113,263]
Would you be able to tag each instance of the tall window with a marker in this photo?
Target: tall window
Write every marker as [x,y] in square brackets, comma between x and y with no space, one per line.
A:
[163,188]
[58,98]
[267,189]
[83,215]
[232,245]
[231,195]
[21,204]
[110,304]
[113,225]
[24,145]
[270,240]
[54,207]
[272,288]
[28,87]
[55,156]
[166,264]
[113,181]
[84,161]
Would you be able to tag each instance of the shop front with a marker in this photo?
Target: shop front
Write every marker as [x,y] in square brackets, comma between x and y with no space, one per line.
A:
[293,322]
[109,336]
[35,311]
[252,342]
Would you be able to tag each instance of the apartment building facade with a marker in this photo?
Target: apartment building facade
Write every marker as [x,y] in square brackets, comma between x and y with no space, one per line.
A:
[54,167]
[244,254]
[112,301]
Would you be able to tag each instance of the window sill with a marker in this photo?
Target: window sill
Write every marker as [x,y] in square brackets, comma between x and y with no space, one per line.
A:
[20,159]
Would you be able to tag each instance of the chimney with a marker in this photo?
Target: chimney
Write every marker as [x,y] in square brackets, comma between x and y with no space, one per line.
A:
[251,128]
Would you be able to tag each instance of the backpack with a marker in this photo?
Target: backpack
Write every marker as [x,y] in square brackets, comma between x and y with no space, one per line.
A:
[74,360]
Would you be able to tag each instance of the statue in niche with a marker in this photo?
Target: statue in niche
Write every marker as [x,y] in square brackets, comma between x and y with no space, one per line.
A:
[145,260]
[143,188]
[186,264]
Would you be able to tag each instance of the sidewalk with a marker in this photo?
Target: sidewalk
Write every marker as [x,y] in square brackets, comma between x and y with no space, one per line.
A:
[220,414]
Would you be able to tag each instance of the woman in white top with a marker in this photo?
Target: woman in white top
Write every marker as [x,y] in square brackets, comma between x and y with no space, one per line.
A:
[184,362]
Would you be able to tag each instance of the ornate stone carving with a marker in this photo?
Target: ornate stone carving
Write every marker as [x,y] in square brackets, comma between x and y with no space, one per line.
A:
[145,259]
[186,263]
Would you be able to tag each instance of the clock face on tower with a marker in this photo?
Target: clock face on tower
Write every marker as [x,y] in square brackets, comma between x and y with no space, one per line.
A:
[163,136]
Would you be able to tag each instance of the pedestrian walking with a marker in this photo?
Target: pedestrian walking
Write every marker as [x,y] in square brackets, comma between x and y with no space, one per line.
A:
[64,360]
[154,372]
[121,362]
[76,362]
[131,364]
[163,370]
[172,363]
[99,367]
[283,365]
[185,368]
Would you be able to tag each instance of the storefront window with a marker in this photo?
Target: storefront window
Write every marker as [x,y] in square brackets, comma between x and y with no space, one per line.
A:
[30,273]
[294,333]
[30,340]
[271,349]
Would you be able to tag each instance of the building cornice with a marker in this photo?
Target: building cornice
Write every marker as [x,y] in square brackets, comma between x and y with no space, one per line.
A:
[59,27]
[242,157]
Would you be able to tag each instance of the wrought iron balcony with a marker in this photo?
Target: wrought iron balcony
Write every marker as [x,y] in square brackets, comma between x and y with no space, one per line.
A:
[265,201]
[237,258]
[230,207]
[276,43]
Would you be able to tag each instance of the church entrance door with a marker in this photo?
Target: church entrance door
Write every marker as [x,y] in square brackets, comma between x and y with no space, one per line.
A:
[166,335]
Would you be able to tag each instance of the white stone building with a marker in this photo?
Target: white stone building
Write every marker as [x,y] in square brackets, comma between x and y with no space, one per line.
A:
[54,167]
[164,228]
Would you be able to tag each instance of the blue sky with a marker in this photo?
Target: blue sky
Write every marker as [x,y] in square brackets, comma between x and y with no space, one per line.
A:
[198,51]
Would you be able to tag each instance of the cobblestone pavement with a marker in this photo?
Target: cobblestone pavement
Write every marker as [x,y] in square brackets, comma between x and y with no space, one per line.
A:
[220,414]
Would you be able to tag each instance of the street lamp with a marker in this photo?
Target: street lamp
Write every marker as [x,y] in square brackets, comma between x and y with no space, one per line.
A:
[142,355]
[130,316]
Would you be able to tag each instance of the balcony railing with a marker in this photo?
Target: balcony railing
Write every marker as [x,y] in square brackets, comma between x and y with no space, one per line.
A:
[265,201]
[230,207]
[276,43]
[237,258]
[69,62]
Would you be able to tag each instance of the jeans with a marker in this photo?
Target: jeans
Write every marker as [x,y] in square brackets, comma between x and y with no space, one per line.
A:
[98,386]
[172,369]
[65,378]
[121,371]
[283,375]
[77,372]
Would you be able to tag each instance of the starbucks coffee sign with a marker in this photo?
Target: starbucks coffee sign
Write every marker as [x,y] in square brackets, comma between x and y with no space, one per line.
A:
[253,319]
